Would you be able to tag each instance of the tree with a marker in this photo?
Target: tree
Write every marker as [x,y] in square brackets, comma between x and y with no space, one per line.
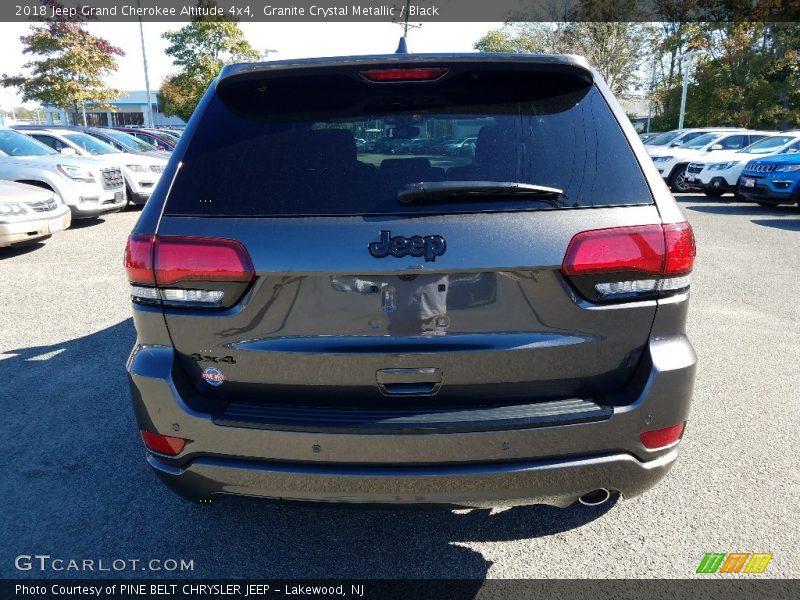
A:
[749,77]
[71,67]
[614,48]
[201,49]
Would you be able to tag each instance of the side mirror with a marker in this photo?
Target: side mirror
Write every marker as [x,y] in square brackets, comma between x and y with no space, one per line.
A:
[716,147]
[67,151]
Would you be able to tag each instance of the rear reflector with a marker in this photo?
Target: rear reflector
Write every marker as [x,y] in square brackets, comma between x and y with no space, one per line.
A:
[631,261]
[398,75]
[660,438]
[163,444]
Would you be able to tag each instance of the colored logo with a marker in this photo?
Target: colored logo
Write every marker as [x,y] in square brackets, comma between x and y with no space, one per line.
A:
[734,562]
[213,376]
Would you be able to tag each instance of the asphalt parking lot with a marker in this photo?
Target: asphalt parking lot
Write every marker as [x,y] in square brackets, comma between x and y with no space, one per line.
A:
[75,484]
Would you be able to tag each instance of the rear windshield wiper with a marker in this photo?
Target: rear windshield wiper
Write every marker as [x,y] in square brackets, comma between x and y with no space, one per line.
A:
[445,191]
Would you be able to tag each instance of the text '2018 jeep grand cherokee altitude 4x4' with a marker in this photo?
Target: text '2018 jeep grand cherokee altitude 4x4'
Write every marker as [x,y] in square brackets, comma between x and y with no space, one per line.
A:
[321,323]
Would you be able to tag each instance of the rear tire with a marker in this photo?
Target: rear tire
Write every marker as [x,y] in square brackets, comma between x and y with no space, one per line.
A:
[677,180]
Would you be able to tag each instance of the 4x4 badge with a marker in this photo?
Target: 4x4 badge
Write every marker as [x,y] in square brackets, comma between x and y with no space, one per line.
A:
[429,246]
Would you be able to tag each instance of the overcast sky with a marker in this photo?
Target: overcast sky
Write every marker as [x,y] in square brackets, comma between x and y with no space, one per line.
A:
[291,40]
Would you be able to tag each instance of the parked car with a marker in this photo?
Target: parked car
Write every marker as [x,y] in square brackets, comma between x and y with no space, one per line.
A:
[89,187]
[157,140]
[299,332]
[29,214]
[772,180]
[384,145]
[141,172]
[124,142]
[722,174]
[464,147]
[647,136]
[679,137]
[672,164]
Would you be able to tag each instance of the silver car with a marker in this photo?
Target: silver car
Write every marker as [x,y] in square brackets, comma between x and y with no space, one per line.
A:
[29,213]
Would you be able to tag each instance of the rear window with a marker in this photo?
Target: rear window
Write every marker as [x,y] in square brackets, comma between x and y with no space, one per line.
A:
[330,149]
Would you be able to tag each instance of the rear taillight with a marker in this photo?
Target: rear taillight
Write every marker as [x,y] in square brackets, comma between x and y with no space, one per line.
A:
[187,270]
[163,444]
[139,259]
[630,262]
[661,438]
[400,75]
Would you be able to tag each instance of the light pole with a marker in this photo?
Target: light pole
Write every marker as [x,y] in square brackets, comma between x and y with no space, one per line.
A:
[650,95]
[686,58]
[146,76]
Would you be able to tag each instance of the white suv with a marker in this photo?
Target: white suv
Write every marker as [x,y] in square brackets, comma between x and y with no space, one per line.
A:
[672,162]
[720,174]
[89,187]
[141,172]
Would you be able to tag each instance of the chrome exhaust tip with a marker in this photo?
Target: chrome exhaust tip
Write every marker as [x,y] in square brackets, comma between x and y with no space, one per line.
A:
[595,498]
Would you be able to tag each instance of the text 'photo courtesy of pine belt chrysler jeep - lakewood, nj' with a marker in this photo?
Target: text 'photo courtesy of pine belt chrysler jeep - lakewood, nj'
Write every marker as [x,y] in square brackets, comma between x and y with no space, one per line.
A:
[333,305]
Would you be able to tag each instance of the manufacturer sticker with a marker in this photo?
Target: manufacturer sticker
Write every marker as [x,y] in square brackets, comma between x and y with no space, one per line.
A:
[213,376]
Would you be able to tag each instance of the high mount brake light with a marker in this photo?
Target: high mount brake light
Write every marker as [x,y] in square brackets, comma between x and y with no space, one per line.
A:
[625,262]
[399,75]
[186,270]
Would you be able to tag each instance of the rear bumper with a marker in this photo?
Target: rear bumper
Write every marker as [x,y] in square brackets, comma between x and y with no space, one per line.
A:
[557,483]
[550,463]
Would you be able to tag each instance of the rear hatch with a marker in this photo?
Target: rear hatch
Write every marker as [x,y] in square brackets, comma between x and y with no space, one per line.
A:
[397,273]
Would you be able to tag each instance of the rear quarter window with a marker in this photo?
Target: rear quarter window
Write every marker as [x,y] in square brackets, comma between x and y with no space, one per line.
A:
[246,159]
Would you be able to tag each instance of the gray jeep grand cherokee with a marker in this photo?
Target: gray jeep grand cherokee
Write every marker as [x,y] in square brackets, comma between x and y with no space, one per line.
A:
[384,322]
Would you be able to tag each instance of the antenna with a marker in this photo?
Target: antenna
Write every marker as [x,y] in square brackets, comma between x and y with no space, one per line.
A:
[402,47]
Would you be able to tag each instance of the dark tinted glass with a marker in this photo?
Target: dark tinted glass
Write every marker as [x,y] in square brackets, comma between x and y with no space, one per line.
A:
[244,161]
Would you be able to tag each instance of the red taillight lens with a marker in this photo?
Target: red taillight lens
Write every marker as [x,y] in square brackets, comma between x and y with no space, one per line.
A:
[201,259]
[139,259]
[417,74]
[659,438]
[618,250]
[164,444]
[681,249]
[631,262]
[187,271]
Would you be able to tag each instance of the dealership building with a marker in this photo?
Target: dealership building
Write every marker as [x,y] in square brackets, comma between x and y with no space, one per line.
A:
[128,110]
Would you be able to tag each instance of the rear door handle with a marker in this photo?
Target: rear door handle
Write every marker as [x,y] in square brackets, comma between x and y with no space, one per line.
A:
[418,381]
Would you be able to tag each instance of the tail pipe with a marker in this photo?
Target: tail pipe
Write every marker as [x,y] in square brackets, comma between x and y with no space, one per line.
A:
[595,497]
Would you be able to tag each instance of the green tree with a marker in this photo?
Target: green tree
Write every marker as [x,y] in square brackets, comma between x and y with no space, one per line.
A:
[750,77]
[70,67]
[200,49]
